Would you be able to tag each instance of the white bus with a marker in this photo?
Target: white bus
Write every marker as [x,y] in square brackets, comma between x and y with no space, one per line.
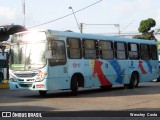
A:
[57,60]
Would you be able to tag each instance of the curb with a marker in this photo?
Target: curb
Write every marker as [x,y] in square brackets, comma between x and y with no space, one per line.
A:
[4,84]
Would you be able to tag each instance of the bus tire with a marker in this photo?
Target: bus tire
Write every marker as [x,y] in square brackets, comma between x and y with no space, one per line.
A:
[42,93]
[134,80]
[74,85]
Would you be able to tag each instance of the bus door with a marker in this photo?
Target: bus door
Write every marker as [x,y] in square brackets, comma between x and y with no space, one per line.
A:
[57,66]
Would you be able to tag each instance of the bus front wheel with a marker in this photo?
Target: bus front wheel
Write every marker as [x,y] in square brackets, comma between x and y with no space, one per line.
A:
[42,93]
[74,85]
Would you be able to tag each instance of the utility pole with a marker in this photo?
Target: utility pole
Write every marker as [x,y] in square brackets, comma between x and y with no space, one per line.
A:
[81,27]
[75,18]
[24,12]
[118,26]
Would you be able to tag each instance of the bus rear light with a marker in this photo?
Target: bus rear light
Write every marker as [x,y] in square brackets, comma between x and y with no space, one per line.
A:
[40,86]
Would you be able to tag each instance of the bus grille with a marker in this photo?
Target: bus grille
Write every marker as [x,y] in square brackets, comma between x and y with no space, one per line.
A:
[25,85]
[26,75]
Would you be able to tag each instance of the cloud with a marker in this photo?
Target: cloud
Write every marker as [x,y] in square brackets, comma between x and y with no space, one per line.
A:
[123,7]
[144,4]
[7,13]
[157,18]
[128,6]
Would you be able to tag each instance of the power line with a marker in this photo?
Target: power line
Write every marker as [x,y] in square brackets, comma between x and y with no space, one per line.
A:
[65,15]
[116,25]
[127,25]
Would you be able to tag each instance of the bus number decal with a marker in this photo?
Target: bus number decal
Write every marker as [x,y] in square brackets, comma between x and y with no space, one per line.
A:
[132,63]
[76,65]
[106,65]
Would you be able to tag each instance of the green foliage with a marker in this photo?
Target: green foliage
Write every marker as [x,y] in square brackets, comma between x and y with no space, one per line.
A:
[144,28]
[145,25]
[146,36]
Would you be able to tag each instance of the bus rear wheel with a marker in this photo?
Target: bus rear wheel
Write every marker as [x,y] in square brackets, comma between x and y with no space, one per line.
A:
[134,80]
[74,85]
[42,93]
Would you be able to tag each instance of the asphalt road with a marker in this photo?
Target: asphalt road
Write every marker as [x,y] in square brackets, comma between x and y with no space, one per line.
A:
[144,98]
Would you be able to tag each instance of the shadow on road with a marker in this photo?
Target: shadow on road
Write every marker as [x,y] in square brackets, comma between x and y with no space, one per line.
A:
[143,89]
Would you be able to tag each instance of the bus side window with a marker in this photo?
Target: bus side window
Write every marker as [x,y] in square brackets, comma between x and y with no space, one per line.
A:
[90,49]
[106,49]
[58,52]
[133,51]
[154,52]
[145,52]
[120,50]
[74,48]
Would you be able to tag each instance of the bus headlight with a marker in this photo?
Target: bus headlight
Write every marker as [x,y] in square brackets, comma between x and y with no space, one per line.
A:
[40,76]
[13,80]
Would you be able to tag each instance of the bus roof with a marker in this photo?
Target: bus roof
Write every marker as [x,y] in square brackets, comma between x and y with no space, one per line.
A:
[98,37]
[52,33]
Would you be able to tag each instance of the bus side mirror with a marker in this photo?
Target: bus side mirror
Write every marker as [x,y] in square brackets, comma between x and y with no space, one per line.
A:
[48,54]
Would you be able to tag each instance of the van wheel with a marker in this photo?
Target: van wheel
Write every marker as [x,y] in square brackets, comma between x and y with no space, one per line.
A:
[42,93]
[134,80]
[74,85]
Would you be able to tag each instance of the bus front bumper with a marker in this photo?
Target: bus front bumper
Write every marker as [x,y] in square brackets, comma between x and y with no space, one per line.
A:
[27,86]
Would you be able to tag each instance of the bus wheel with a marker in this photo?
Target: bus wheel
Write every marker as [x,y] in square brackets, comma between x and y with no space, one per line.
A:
[134,80]
[74,85]
[42,93]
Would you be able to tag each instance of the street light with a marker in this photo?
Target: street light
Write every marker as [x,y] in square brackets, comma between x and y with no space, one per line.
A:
[23,5]
[75,18]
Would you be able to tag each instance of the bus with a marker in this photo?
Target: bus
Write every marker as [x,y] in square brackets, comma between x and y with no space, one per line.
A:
[59,60]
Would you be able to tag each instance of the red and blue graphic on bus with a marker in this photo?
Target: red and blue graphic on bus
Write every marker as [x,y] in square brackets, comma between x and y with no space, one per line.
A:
[118,70]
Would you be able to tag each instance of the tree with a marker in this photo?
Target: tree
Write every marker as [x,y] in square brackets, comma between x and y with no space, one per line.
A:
[145,27]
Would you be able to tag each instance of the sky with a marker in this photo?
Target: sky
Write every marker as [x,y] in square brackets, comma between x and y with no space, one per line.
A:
[126,13]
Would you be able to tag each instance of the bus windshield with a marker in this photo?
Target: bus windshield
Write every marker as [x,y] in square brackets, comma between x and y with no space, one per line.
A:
[27,56]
